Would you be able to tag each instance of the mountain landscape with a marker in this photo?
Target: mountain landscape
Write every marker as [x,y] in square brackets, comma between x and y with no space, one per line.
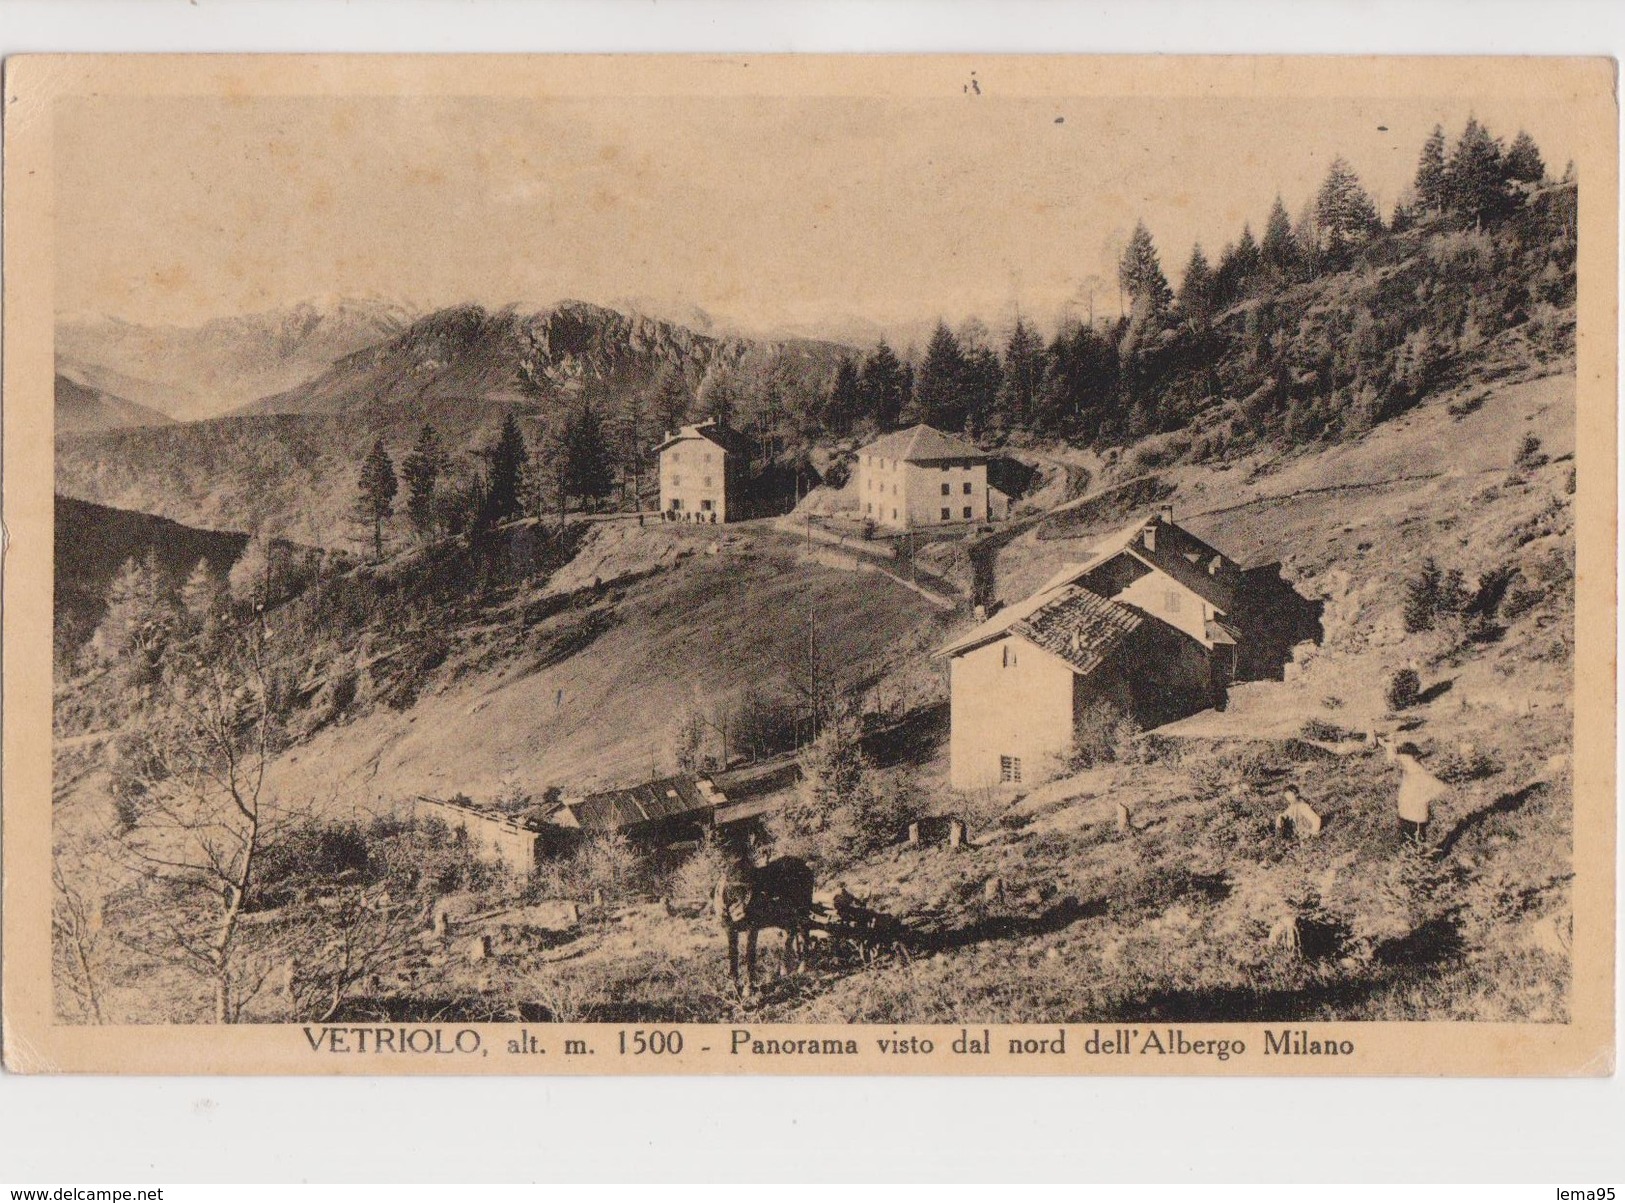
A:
[284,464]
[204,371]
[1379,413]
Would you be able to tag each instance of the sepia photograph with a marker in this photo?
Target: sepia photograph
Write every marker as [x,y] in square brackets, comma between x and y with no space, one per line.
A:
[806,566]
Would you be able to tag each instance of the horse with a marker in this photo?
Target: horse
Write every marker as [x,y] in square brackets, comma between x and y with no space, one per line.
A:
[748,898]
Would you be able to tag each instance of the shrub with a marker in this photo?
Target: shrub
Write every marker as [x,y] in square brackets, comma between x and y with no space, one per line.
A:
[1102,734]
[1529,454]
[1404,688]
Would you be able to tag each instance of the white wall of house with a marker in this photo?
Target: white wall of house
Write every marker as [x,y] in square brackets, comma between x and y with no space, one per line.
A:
[1160,595]
[1010,701]
[903,496]
[693,480]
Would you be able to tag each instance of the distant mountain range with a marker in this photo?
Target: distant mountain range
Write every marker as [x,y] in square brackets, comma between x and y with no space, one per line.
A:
[191,372]
[470,353]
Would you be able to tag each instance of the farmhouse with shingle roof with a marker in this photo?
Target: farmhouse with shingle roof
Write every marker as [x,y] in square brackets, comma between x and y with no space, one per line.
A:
[921,477]
[1146,626]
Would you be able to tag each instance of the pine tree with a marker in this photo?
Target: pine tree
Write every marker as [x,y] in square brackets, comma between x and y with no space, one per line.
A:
[1343,211]
[845,399]
[378,487]
[938,389]
[1280,248]
[1196,290]
[507,462]
[1140,272]
[885,386]
[203,597]
[671,400]
[1475,181]
[1022,376]
[1422,598]
[1430,172]
[585,465]
[1238,265]
[139,618]
[1523,162]
[422,469]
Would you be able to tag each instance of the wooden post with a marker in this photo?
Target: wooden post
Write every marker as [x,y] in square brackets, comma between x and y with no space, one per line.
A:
[914,833]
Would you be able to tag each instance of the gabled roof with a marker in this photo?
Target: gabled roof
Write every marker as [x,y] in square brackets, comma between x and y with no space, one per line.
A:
[1175,551]
[1080,627]
[922,444]
[722,435]
[619,809]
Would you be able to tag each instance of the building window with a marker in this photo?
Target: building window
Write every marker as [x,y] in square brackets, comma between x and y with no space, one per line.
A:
[946,513]
[894,490]
[967,486]
[894,514]
[868,507]
[676,480]
[946,488]
[706,505]
[1010,769]
[1009,656]
[967,511]
[708,482]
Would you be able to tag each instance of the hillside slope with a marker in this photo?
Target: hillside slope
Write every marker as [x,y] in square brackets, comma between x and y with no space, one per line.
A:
[82,409]
[596,695]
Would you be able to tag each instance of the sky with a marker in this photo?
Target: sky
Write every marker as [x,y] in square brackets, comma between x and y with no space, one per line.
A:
[838,215]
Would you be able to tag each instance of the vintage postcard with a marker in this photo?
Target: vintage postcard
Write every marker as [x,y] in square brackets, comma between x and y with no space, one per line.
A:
[809,565]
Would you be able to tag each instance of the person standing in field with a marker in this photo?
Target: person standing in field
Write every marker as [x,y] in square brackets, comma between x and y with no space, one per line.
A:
[1418,791]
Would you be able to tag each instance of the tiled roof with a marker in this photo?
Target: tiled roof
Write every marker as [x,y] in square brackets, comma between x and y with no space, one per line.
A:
[619,809]
[1080,627]
[922,444]
[1177,552]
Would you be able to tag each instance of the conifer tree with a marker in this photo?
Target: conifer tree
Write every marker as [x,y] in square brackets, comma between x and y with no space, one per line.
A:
[1280,246]
[939,386]
[1196,290]
[378,488]
[507,463]
[1523,162]
[1430,172]
[1022,376]
[1475,180]
[585,467]
[671,400]
[203,597]
[885,385]
[422,469]
[1344,213]
[1140,273]
[845,401]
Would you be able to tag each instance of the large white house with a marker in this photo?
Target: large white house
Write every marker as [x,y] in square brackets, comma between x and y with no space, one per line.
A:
[1146,625]
[704,469]
[920,477]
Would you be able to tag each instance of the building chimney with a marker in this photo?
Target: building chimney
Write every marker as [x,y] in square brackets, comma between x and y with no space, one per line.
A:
[1167,514]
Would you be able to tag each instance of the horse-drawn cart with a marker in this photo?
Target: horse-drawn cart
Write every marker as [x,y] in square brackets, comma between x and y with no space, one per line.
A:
[843,922]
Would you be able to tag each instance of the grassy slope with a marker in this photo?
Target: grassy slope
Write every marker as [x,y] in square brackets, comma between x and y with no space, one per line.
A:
[1173,921]
[700,627]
